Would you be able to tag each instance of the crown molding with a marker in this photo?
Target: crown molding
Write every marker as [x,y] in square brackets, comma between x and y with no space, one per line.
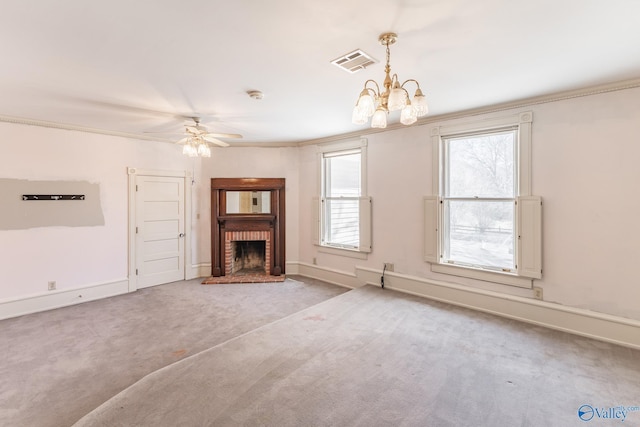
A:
[66,126]
[521,103]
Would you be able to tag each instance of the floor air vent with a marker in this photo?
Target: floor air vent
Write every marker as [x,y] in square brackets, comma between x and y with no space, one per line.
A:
[354,61]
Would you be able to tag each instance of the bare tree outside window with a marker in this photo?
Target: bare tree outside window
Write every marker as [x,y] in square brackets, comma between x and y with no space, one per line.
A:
[479,198]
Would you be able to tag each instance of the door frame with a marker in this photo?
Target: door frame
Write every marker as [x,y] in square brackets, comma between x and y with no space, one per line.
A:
[133,173]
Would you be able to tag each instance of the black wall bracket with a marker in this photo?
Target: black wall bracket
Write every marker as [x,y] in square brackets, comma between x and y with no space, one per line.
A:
[53,197]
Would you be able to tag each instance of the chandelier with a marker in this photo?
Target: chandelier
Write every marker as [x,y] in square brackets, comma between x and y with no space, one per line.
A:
[372,102]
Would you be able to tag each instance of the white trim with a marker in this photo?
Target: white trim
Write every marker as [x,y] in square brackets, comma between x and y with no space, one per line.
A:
[529,235]
[351,253]
[133,173]
[510,105]
[365,224]
[329,275]
[199,270]
[431,237]
[484,275]
[85,129]
[62,298]
[342,145]
[586,323]
[522,121]
[495,108]
[292,267]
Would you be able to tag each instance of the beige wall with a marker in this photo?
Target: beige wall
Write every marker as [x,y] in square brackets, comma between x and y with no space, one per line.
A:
[585,167]
[585,153]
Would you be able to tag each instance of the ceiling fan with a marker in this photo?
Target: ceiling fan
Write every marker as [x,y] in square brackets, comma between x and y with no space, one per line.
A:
[197,139]
[199,131]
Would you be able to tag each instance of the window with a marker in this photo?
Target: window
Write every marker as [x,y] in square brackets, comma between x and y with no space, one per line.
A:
[479,177]
[344,211]
[341,171]
[482,221]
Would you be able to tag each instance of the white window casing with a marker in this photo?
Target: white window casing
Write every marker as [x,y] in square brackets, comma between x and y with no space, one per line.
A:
[365,224]
[431,237]
[322,206]
[315,219]
[528,211]
[529,232]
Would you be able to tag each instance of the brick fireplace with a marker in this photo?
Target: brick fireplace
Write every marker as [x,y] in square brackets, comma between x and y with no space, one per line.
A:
[246,238]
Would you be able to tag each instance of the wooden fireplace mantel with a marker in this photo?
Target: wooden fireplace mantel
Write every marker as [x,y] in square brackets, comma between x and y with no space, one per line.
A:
[221,221]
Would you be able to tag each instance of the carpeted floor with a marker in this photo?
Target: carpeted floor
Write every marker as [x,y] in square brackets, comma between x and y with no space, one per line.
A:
[57,366]
[373,357]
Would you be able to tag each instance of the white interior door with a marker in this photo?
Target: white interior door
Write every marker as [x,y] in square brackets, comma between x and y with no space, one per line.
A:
[160,219]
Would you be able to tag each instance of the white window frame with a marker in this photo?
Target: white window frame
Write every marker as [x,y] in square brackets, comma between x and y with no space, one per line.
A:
[528,230]
[364,202]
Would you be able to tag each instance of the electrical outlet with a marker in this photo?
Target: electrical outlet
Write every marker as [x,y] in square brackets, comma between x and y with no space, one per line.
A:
[537,292]
[315,261]
[389,266]
[52,285]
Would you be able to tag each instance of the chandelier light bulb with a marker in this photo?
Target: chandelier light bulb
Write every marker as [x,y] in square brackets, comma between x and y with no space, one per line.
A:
[408,116]
[379,119]
[420,103]
[397,98]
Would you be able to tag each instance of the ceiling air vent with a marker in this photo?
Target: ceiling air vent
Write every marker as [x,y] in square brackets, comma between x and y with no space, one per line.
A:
[354,61]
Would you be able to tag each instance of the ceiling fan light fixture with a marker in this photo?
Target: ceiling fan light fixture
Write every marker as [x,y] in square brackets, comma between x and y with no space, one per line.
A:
[190,150]
[198,140]
[203,149]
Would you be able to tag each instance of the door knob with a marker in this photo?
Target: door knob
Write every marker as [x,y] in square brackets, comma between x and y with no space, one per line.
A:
[181,235]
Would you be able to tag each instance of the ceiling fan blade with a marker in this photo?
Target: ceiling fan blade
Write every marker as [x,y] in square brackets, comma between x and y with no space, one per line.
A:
[224,135]
[215,141]
[166,132]
[183,141]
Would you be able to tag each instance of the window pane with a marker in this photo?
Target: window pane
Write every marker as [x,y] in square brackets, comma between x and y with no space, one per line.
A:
[480,165]
[343,175]
[480,233]
[342,222]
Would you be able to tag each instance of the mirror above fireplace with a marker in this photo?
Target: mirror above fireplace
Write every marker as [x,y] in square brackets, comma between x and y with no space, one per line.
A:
[248,202]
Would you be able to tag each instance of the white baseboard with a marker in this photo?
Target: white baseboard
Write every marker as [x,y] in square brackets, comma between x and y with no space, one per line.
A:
[62,298]
[591,324]
[336,277]
[292,267]
[199,270]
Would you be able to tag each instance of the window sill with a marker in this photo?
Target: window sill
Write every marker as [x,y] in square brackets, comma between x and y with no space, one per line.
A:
[351,253]
[484,275]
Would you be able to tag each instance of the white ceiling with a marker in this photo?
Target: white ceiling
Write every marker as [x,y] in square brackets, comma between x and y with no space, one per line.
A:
[140,65]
